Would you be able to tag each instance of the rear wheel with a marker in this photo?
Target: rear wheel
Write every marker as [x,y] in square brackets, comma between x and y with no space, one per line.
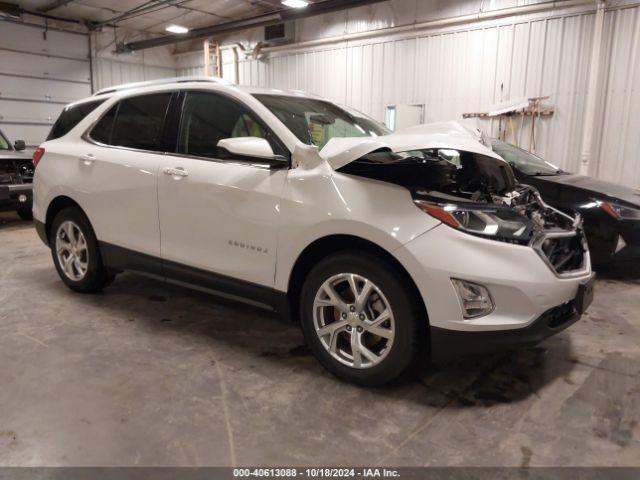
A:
[76,254]
[359,319]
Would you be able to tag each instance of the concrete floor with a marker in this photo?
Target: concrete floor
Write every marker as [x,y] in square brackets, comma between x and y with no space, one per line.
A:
[148,374]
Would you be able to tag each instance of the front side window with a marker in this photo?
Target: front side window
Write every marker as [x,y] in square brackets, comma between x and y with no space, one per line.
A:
[526,162]
[315,122]
[208,118]
[134,122]
[70,117]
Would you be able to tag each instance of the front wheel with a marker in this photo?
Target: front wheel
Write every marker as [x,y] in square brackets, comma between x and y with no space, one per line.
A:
[359,318]
[76,254]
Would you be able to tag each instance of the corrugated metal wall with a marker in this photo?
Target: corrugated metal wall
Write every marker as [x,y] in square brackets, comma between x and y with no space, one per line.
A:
[455,71]
[111,69]
[618,133]
[191,64]
[109,72]
[470,67]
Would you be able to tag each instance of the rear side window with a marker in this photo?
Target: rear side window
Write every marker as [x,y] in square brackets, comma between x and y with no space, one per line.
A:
[134,122]
[208,118]
[102,130]
[70,117]
[139,121]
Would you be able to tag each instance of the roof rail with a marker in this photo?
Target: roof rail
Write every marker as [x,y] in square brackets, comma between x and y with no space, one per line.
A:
[161,81]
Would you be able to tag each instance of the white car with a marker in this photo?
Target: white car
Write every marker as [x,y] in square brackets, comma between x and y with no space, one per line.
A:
[378,243]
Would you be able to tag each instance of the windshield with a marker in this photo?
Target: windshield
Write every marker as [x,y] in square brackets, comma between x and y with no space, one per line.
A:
[526,162]
[315,122]
[4,143]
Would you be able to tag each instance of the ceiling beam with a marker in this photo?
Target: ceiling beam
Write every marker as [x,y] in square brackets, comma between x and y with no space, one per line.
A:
[53,5]
[265,19]
[269,3]
[150,6]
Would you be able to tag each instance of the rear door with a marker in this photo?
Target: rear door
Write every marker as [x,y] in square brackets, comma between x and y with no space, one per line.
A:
[119,166]
[219,214]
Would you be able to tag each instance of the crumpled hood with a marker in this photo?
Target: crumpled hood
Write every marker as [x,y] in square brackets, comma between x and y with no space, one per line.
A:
[339,152]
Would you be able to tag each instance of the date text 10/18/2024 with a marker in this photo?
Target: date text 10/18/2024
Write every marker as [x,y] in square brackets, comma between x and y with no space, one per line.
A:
[335,473]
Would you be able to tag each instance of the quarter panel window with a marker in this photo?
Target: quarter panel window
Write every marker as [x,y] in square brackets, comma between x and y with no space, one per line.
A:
[208,118]
[70,117]
[139,122]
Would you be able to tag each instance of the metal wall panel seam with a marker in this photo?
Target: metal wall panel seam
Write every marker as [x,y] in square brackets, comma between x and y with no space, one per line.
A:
[37,77]
[44,54]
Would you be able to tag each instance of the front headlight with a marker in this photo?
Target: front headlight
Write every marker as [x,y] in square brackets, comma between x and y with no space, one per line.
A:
[620,212]
[485,221]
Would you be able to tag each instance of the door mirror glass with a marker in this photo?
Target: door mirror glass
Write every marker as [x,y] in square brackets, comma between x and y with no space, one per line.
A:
[19,145]
[249,149]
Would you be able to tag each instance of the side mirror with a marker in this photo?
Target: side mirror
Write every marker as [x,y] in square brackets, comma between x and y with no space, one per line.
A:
[19,145]
[250,150]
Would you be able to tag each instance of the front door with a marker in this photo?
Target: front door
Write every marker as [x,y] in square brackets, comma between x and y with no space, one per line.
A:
[218,216]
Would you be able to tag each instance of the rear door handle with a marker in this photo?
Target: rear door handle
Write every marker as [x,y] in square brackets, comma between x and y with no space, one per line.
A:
[175,172]
[87,159]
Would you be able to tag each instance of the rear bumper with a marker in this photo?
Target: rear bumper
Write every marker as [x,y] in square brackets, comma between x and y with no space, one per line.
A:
[449,344]
[10,196]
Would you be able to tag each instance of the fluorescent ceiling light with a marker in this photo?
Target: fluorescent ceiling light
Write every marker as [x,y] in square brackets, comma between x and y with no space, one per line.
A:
[177,29]
[295,3]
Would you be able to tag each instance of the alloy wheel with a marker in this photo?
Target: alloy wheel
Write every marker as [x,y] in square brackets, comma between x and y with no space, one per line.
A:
[353,320]
[72,250]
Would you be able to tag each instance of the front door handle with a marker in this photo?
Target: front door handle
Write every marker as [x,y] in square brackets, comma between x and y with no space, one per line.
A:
[176,172]
[87,159]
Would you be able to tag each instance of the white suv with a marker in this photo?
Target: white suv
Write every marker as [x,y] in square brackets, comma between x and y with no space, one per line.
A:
[378,243]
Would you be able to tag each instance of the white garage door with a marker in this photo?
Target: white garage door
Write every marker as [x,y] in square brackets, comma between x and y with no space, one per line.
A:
[40,72]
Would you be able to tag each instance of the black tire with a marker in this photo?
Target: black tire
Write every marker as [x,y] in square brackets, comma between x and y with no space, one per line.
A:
[406,311]
[97,276]
[25,213]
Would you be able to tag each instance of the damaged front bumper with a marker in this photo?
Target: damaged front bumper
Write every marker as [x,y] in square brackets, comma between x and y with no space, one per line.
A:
[449,344]
[526,291]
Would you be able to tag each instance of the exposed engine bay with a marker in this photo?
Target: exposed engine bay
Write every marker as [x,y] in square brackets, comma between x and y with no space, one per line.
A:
[479,195]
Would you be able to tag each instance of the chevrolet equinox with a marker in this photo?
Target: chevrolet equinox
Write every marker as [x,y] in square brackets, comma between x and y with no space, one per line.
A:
[378,243]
